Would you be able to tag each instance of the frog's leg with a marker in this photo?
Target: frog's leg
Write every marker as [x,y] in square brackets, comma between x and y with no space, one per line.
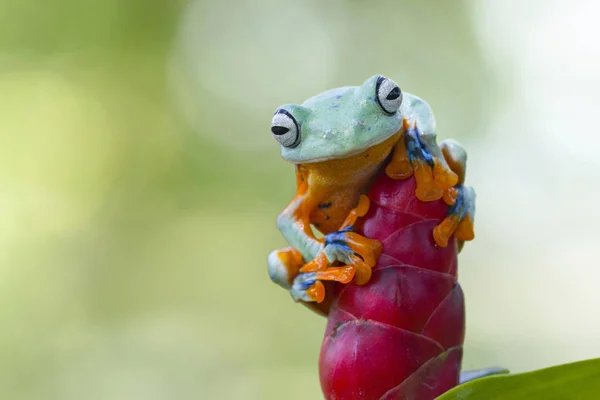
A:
[284,264]
[439,170]
[419,154]
[359,254]
[461,199]
[294,224]
[400,166]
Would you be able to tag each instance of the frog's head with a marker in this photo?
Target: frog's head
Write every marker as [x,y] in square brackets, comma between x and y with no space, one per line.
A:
[340,122]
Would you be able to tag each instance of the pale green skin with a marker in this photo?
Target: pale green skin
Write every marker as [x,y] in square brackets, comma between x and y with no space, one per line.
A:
[345,121]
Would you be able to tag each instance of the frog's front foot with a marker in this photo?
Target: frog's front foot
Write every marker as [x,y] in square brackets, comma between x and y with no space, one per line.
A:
[355,255]
[459,220]
[461,199]
[420,155]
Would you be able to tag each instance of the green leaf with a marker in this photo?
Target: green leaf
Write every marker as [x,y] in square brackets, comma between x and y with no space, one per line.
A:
[579,380]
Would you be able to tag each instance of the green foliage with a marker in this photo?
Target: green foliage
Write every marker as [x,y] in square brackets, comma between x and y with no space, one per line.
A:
[579,380]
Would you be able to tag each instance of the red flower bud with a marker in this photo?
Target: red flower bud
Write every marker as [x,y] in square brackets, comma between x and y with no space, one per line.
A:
[400,336]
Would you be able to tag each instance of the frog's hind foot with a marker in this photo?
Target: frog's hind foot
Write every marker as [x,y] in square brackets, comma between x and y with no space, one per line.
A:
[419,155]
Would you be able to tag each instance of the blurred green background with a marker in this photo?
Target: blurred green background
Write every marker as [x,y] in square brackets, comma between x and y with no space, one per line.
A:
[139,183]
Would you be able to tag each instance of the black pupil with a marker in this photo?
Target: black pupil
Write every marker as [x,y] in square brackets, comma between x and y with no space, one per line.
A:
[394,94]
[279,130]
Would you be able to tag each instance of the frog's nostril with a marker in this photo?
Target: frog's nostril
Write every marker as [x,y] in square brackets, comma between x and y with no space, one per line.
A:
[279,130]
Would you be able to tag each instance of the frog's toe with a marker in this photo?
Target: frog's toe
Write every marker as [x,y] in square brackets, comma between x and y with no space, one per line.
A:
[307,288]
[456,158]
[346,246]
[358,253]
[319,263]
[432,173]
[399,166]
[459,220]
[283,266]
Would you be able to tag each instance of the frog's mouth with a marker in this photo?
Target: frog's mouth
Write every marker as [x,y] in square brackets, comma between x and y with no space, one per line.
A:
[377,146]
[371,153]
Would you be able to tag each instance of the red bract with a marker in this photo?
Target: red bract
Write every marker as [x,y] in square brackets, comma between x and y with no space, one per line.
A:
[401,335]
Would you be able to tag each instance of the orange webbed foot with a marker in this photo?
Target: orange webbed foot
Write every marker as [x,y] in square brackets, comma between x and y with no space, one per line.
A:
[358,254]
[358,270]
[349,247]
[461,199]
[432,173]
[459,221]
[418,154]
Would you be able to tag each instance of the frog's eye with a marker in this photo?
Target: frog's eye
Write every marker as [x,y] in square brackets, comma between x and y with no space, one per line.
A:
[388,95]
[285,129]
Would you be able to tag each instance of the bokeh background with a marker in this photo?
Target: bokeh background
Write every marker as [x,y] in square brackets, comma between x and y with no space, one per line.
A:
[139,183]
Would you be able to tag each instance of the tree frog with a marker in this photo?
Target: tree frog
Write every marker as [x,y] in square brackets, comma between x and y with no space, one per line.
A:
[338,141]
